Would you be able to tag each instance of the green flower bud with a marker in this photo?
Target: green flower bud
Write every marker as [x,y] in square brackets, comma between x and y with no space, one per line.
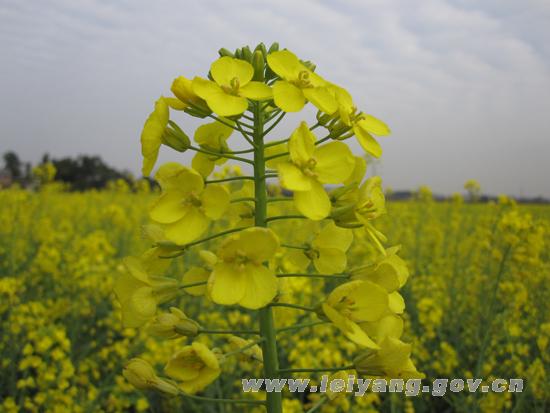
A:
[274,48]
[173,325]
[142,376]
[259,65]
[261,47]
[247,54]
[224,52]
[175,138]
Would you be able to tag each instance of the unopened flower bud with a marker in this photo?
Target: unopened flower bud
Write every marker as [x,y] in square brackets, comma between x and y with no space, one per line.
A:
[142,376]
[259,65]
[274,48]
[173,325]
[176,139]
[224,52]
[247,54]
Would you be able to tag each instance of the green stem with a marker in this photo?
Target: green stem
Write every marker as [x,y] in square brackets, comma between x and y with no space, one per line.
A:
[206,331]
[195,284]
[243,348]
[221,155]
[233,178]
[275,218]
[318,405]
[214,400]
[211,237]
[267,325]
[280,118]
[280,199]
[323,369]
[289,305]
[243,199]
[300,326]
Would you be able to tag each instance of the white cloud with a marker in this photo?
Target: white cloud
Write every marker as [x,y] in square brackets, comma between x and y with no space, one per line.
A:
[462,83]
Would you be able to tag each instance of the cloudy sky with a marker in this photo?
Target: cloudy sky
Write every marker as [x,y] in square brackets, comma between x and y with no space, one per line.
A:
[464,84]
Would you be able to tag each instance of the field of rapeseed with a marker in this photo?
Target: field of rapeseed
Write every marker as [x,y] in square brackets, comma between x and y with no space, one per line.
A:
[132,299]
[477,302]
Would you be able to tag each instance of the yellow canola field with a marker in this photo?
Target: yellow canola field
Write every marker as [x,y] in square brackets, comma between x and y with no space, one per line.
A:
[478,305]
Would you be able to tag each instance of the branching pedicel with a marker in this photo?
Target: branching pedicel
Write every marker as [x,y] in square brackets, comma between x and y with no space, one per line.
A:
[249,93]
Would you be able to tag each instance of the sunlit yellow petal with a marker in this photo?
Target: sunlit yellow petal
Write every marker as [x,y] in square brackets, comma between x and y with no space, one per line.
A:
[256,91]
[226,285]
[314,204]
[215,200]
[367,142]
[335,162]
[288,97]
[292,178]
[187,229]
[261,287]
[226,69]
[321,98]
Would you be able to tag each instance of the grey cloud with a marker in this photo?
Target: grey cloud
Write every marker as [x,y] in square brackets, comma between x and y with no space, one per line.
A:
[463,84]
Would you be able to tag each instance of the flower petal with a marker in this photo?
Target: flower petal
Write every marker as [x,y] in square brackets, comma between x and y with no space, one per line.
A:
[330,261]
[256,91]
[285,64]
[168,208]
[301,144]
[261,287]
[367,142]
[373,125]
[215,200]
[288,97]
[187,229]
[226,68]
[315,203]
[321,98]
[226,284]
[335,163]
[292,178]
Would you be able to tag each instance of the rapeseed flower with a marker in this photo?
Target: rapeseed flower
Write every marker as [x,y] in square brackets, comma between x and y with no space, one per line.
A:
[239,276]
[228,94]
[309,167]
[186,206]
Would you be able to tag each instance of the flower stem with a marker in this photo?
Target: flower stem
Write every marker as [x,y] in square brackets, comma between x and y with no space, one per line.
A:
[323,369]
[232,178]
[289,305]
[214,400]
[206,331]
[267,325]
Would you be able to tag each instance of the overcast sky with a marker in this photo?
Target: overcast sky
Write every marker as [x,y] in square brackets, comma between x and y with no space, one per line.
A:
[464,84]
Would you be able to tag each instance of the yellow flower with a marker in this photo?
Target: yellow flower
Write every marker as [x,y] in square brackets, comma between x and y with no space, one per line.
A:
[139,294]
[142,376]
[327,251]
[182,88]
[390,271]
[227,95]
[239,277]
[173,325]
[355,302]
[392,360]
[298,84]
[200,273]
[211,137]
[310,167]
[185,206]
[255,352]
[194,367]
[151,136]
[363,125]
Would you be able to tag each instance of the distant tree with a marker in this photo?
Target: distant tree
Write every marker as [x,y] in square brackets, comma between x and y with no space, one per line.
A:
[86,172]
[13,165]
